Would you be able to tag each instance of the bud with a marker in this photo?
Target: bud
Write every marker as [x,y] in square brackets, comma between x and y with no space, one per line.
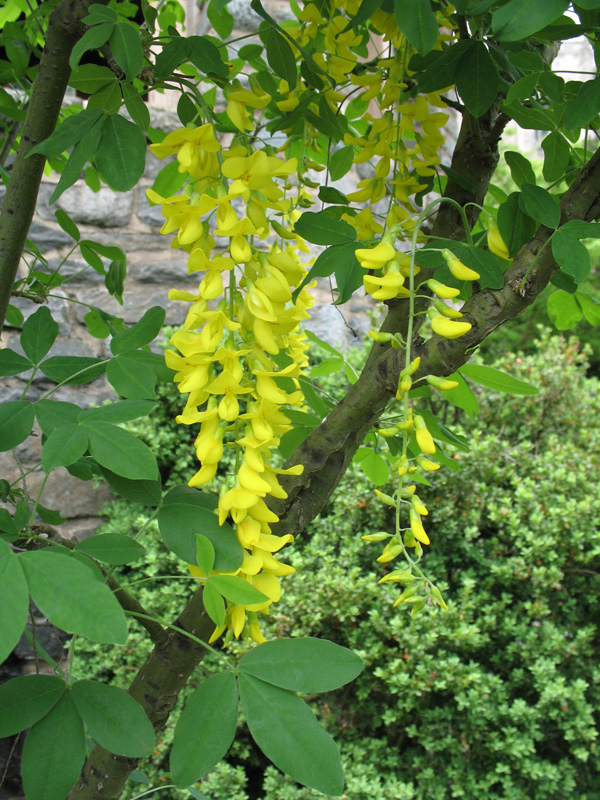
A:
[447,328]
[417,528]
[281,231]
[405,385]
[385,498]
[426,464]
[441,383]
[447,311]
[387,432]
[398,576]
[413,366]
[424,437]
[441,290]
[418,506]
[459,270]
[496,242]
[379,336]
[376,537]
[410,591]
[390,553]
[420,603]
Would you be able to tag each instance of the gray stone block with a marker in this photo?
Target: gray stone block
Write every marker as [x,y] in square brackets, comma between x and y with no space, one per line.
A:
[105,208]
[47,238]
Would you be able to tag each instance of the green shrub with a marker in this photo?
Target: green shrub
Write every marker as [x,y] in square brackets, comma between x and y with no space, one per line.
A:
[498,697]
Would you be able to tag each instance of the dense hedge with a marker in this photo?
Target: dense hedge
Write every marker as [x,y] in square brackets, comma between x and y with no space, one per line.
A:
[500,696]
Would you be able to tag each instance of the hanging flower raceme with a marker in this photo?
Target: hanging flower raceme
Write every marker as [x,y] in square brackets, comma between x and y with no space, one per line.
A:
[241,317]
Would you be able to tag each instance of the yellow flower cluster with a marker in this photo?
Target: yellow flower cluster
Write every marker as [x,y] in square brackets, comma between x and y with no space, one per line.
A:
[239,352]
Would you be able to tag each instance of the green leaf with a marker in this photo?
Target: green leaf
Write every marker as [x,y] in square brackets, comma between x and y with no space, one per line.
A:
[205,730]
[11,363]
[26,700]
[155,362]
[63,447]
[302,665]
[114,719]
[171,56]
[281,58]
[121,156]
[341,162]
[556,156]
[476,79]
[14,316]
[540,205]
[365,9]
[285,729]
[571,255]
[523,88]
[319,228]
[49,516]
[108,98]
[70,131]
[180,521]
[563,310]
[92,39]
[126,47]
[16,421]
[348,273]
[88,78]
[222,21]
[145,493]
[39,332]
[99,14]
[205,553]
[582,110]
[582,229]
[71,597]
[206,57]
[14,596]
[67,224]
[590,308]
[120,451]
[83,151]
[237,590]
[54,752]
[52,414]
[520,168]
[327,367]
[497,380]
[520,19]
[131,379]
[214,604]
[73,370]
[374,466]
[440,71]
[529,118]
[338,258]
[169,180]
[417,22]
[328,194]
[462,396]
[111,548]
[121,411]
[136,107]
[516,227]
[140,334]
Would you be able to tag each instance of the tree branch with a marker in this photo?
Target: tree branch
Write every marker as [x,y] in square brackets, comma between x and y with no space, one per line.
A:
[65,28]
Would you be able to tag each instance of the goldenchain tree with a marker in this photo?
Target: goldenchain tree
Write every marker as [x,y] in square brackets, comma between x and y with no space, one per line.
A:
[342,84]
